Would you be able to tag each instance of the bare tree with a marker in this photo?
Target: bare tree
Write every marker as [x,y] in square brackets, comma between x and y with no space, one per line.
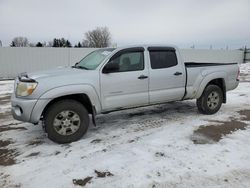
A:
[20,42]
[49,44]
[85,43]
[32,44]
[97,38]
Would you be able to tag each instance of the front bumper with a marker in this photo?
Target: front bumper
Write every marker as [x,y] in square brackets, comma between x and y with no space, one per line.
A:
[21,109]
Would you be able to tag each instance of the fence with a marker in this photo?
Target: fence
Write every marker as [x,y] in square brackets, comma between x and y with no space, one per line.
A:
[213,56]
[16,60]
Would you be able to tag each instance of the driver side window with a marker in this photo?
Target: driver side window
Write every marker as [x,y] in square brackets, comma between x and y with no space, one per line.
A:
[128,61]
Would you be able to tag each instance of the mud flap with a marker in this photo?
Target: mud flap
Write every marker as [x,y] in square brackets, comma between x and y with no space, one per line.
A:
[93,115]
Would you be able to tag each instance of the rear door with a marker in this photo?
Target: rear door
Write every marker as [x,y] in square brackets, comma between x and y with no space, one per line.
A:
[167,76]
[127,86]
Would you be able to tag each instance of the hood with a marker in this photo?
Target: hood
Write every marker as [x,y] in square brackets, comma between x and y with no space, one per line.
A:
[62,76]
[57,72]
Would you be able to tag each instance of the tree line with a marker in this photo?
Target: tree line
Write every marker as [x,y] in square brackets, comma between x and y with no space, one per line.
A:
[97,38]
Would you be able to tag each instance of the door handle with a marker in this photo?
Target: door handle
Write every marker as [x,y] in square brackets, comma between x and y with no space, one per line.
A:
[142,77]
[178,73]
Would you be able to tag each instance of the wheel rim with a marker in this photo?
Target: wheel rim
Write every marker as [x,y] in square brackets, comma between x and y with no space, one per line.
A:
[213,100]
[66,122]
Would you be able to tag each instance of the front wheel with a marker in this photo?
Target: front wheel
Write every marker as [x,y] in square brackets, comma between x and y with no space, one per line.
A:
[210,100]
[66,121]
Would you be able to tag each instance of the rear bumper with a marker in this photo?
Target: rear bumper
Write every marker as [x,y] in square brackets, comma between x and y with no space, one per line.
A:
[21,109]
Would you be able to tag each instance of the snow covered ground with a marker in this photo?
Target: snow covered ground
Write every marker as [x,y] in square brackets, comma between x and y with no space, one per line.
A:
[158,146]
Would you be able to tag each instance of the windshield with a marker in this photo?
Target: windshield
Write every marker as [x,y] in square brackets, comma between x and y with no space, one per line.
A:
[93,60]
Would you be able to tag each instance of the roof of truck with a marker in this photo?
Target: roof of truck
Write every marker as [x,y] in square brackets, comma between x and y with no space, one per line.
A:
[147,45]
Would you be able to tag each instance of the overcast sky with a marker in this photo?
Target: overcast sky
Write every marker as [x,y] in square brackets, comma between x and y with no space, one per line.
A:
[182,22]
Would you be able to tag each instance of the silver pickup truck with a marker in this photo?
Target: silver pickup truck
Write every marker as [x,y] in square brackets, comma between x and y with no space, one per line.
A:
[112,79]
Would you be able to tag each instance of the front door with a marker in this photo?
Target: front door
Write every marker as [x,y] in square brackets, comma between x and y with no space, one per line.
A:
[126,84]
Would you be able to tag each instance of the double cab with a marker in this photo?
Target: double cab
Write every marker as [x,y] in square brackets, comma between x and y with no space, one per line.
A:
[111,79]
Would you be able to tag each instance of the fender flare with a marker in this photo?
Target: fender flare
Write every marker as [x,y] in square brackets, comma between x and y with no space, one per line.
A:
[208,78]
[61,91]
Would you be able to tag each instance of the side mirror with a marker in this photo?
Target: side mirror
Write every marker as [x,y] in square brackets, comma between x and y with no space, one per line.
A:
[110,67]
[76,63]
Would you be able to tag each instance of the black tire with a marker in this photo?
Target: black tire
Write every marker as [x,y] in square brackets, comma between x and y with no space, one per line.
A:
[205,106]
[55,111]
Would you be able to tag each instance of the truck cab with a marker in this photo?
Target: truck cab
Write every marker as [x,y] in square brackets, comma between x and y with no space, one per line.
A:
[140,76]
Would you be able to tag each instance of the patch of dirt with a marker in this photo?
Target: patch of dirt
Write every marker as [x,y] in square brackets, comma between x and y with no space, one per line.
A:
[96,141]
[148,123]
[10,124]
[33,154]
[245,113]
[6,182]
[5,115]
[4,99]
[82,182]
[242,95]
[8,127]
[7,156]
[35,142]
[137,114]
[160,154]
[214,133]
[4,143]
[103,174]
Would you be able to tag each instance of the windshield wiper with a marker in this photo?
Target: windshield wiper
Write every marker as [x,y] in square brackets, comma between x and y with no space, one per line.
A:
[80,67]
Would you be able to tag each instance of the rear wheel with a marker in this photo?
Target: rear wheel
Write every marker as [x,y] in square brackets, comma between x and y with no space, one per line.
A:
[66,121]
[210,100]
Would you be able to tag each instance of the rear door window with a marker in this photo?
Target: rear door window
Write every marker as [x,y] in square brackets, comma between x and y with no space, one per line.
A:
[162,58]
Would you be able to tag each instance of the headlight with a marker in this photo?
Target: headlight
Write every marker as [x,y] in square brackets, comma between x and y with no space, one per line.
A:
[25,88]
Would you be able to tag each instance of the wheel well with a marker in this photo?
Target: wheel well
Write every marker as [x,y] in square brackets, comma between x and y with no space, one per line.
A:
[82,98]
[221,83]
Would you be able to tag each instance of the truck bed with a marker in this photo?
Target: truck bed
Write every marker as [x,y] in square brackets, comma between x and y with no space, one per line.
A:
[197,72]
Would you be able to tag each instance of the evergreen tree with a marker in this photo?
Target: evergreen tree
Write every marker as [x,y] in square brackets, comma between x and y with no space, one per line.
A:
[79,45]
[55,43]
[68,44]
[39,44]
[12,44]
[61,43]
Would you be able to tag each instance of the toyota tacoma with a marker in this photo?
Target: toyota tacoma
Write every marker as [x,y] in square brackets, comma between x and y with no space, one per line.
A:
[111,79]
